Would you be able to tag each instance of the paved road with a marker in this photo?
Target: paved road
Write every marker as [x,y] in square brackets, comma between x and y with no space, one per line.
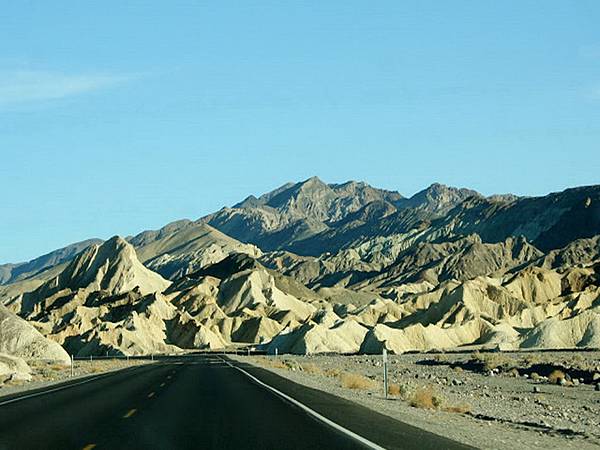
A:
[193,403]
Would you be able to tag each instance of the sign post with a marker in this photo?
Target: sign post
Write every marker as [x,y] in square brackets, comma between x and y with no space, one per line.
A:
[385,375]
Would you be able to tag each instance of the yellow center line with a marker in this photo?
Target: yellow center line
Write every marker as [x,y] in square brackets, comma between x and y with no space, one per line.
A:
[89,447]
[151,394]
[130,413]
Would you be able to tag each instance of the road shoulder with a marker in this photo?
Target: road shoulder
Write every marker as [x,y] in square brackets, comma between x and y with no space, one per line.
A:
[379,428]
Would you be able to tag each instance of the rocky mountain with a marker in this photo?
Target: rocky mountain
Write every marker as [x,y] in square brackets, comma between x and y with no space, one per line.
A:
[22,340]
[438,198]
[312,217]
[11,273]
[184,247]
[314,267]
[112,267]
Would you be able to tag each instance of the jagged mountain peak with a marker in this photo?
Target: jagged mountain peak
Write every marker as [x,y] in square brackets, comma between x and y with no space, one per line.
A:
[10,273]
[112,266]
[439,198]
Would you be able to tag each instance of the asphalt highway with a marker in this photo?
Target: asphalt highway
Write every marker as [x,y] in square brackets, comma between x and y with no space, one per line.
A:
[199,402]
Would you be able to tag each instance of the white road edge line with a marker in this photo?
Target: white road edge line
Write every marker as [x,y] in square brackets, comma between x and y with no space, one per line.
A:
[62,388]
[310,411]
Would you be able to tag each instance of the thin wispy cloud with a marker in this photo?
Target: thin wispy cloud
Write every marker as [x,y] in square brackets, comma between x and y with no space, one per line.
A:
[27,86]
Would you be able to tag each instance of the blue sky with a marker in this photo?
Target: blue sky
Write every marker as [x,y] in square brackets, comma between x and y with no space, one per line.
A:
[117,117]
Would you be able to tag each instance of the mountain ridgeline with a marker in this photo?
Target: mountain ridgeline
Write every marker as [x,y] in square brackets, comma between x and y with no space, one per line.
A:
[313,267]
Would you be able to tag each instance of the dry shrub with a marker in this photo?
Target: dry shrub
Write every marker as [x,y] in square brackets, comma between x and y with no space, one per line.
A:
[356,381]
[291,364]
[458,369]
[492,361]
[513,372]
[578,361]
[532,359]
[426,398]
[312,369]
[463,408]
[332,373]
[556,376]
[395,389]
[534,376]
[274,363]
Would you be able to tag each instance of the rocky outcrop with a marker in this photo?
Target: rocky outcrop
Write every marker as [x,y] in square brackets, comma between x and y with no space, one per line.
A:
[13,368]
[348,268]
[20,339]
[184,247]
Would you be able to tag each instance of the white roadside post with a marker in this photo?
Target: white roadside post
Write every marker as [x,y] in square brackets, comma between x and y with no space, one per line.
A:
[276,351]
[385,376]
[72,372]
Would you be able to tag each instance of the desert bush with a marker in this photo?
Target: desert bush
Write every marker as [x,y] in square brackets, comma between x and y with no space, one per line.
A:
[273,363]
[463,408]
[556,376]
[458,369]
[332,373]
[356,381]
[491,361]
[312,369]
[534,376]
[513,372]
[426,398]
[395,389]
[531,359]
[291,364]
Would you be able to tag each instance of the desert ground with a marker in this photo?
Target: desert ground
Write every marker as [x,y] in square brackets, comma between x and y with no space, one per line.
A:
[488,400]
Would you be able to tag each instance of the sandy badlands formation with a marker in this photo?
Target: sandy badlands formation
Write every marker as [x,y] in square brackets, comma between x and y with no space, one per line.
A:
[317,268]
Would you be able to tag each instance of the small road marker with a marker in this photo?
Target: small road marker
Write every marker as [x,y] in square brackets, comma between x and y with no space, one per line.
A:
[151,394]
[89,447]
[130,413]
[162,384]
